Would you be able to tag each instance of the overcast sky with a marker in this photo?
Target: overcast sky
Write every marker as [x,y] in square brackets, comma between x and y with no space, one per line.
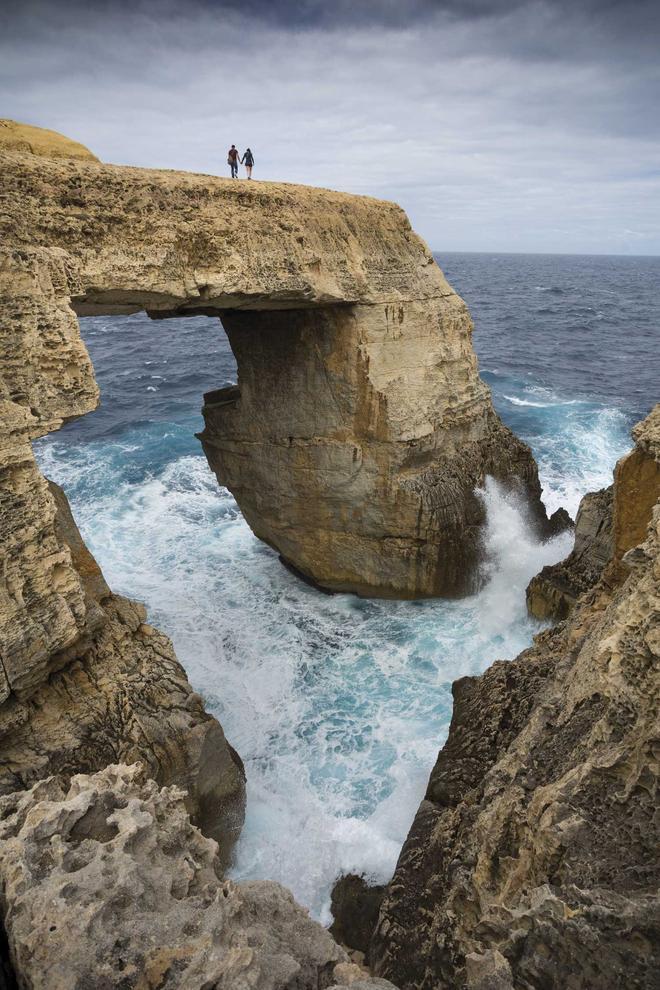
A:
[506,125]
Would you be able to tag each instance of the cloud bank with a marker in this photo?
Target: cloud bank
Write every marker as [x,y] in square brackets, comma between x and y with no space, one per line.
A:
[520,125]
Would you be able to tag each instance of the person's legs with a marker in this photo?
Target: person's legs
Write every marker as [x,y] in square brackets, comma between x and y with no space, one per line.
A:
[234,169]
[248,169]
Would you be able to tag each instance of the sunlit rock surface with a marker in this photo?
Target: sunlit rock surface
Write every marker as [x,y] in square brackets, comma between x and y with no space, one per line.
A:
[25,138]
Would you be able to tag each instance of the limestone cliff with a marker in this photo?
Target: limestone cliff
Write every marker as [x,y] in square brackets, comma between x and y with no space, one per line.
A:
[84,680]
[114,693]
[359,427]
[532,861]
[104,883]
[608,524]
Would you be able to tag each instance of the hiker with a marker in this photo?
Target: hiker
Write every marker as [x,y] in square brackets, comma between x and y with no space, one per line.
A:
[232,161]
[248,161]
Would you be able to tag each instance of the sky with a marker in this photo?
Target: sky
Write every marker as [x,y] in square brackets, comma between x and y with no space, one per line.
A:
[498,125]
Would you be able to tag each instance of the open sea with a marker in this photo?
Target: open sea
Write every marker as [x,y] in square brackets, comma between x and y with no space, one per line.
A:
[338,705]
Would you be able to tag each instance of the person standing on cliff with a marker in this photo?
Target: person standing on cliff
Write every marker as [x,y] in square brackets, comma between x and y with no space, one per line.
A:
[232,161]
[248,161]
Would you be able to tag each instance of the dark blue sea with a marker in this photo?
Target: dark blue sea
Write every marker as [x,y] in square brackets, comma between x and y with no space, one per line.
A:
[338,705]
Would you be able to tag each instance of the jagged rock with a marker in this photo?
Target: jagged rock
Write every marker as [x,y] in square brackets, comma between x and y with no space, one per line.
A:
[609,523]
[355,905]
[637,485]
[532,861]
[106,884]
[359,428]
[552,593]
[118,694]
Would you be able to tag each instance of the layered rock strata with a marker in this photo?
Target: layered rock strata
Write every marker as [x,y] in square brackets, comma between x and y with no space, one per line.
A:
[84,680]
[359,428]
[106,884]
[608,524]
[532,861]
[117,693]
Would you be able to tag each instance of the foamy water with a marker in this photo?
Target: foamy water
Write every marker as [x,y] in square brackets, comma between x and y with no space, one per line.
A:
[337,705]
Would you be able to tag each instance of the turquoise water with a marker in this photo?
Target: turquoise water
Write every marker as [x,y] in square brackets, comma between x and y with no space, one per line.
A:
[338,705]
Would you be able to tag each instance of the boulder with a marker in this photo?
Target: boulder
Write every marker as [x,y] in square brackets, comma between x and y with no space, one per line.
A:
[106,884]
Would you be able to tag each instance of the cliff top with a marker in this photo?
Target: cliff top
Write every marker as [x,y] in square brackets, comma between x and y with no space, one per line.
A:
[23,138]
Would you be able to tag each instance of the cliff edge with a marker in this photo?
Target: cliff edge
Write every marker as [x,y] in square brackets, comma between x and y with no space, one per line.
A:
[532,861]
[359,427]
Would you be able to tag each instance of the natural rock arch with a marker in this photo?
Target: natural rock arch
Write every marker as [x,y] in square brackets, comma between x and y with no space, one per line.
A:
[361,426]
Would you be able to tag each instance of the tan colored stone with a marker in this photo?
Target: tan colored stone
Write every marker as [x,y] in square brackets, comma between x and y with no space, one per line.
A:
[360,427]
[106,884]
[40,141]
[637,485]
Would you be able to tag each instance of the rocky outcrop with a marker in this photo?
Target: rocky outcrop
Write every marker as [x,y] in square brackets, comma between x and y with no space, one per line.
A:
[39,141]
[532,859]
[106,884]
[84,680]
[552,593]
[608,524]
[637,485]
[359,427]
[118,694]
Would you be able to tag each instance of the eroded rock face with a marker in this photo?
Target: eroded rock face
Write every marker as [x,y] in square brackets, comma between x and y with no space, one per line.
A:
[552,593]
[637,485]
[531,861]
[356,439]
[608,524]
[105,883]
[355,905]
[360,426]
[118,694]
[84,680]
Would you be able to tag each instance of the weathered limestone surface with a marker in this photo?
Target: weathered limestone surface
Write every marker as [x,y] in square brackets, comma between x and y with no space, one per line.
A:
[40,141]
[84,680]
[637,485]
[532,861]
[106,884]
[117,693]
[360,426]
[608,524]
